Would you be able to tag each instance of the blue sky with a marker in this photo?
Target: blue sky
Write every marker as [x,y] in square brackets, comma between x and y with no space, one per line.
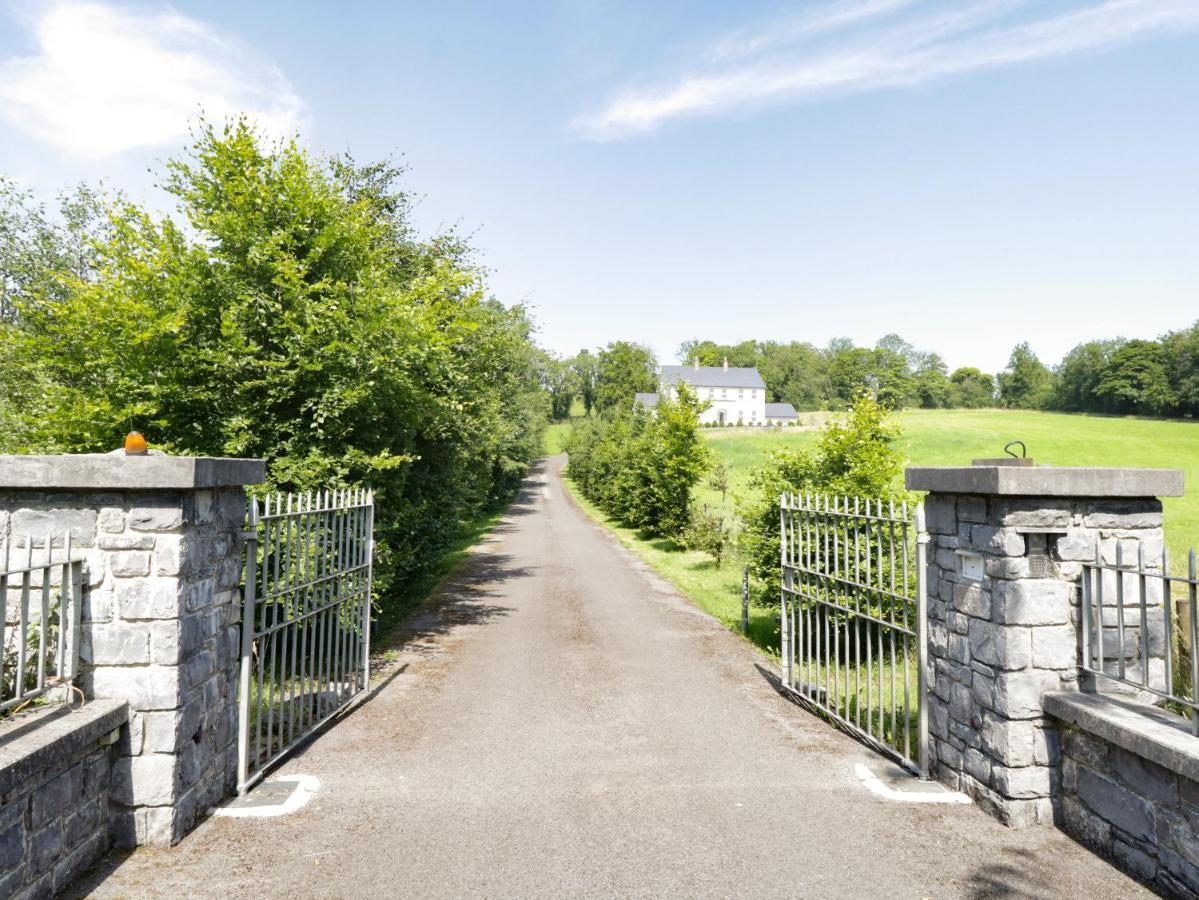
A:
[967,174]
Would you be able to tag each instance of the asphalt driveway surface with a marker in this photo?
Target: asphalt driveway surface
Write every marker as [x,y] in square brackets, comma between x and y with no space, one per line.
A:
[560,722]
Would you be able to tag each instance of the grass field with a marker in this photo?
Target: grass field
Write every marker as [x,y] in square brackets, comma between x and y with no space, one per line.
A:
[954,437]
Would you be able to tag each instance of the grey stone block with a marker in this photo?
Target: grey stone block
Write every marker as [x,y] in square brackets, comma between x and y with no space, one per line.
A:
[129,563]
[1018,695]
[167,515]
[1119,806]
[125,542]
[1001,647]
[1088,828]
[1134,861]
[147,598]
[1145,777]
[44,847]
[60,793]
[1055,647]
[972,509]
[972,600]
[940,517]
[1032,601]
[1010,742]
[146,780]
[1024,783]
[12,845]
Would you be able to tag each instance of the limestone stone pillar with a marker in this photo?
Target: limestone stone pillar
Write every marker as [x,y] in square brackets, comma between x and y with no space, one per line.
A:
[1007,547]
[162,539]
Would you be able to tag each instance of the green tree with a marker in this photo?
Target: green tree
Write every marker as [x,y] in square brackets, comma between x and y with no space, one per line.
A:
[1026,383]
[1079,374]
[1182,359]
[1136,379]
[624,369]
[972,388]
[586,369]
[561,383]
[292,315]
[932,389]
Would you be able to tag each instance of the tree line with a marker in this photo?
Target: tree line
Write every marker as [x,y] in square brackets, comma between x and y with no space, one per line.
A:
[1141,377]
[288,311]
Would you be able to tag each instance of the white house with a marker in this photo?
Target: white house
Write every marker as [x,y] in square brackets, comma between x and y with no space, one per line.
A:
[737,395]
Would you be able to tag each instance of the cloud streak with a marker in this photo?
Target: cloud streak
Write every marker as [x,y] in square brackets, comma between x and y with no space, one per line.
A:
[878,44]
[104,79]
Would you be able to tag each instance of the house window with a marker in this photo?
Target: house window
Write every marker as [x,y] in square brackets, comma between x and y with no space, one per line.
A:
[740,394]
[723,393]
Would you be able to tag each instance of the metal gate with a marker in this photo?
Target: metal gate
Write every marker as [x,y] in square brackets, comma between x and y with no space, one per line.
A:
[854,618]
[305,619]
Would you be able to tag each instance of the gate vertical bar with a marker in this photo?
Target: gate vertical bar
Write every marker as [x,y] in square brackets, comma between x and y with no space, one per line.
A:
[366,601]
[247,649]
[922,641]
[784,638]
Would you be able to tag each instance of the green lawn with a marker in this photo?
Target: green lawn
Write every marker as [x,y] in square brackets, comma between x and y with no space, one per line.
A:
[954,437]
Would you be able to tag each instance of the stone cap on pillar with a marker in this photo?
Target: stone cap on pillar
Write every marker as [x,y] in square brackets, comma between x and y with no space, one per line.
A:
[118,471]
[1046,481]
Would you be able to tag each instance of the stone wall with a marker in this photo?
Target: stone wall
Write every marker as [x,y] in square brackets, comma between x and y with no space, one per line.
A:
[1129,789]
[55,782]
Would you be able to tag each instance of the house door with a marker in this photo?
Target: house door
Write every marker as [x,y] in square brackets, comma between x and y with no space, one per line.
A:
[720,418]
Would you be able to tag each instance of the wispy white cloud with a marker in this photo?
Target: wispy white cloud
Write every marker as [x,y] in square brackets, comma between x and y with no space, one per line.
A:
[867,45]
[104,79]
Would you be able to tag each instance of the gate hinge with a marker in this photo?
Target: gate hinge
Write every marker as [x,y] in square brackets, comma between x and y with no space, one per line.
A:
[922,538]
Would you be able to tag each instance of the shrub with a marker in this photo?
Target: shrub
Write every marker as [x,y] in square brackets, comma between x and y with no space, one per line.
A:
[707,533]
[854,456]
[640,466]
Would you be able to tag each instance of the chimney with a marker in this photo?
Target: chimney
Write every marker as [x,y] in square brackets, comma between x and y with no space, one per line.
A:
[695,359]
[726,363]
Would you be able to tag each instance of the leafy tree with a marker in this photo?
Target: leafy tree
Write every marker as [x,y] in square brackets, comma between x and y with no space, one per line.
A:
[586,371]
[561,383]
[1136,380]
[291,315]
[707,533]
[624,369]
[1026,383]
[1182,356]
[972,388]
[850,372]
[718,478]
[931,381]
[795,373]
[1080,373]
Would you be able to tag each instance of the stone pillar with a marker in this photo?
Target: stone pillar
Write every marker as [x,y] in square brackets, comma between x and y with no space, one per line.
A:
[162,541]
[1008,543]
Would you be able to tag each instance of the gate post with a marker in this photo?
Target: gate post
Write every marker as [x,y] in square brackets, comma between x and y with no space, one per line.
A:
[162,537]
[1003,607]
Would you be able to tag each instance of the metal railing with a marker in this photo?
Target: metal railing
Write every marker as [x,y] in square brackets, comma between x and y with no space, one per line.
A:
[40,612]
[305,620]
[1130,626]
[854,617]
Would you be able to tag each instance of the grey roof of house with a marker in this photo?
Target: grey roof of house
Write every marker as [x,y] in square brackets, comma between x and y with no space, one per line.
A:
[649,401]
[780,411]
[713,376]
